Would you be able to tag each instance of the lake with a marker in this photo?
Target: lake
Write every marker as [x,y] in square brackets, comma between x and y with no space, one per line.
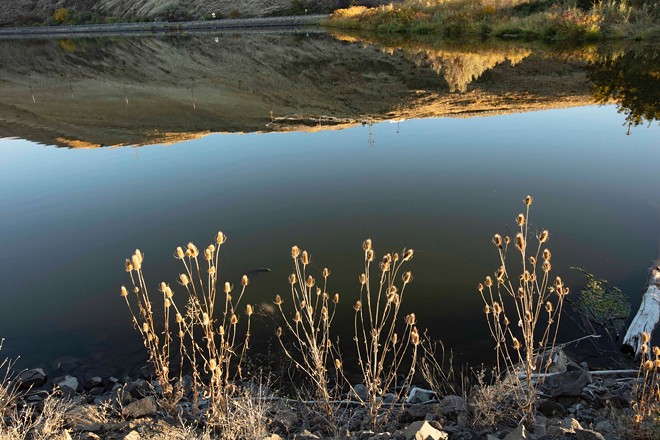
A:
[315,140]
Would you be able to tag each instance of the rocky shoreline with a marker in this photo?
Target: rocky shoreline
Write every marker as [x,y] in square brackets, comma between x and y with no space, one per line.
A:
[575,403]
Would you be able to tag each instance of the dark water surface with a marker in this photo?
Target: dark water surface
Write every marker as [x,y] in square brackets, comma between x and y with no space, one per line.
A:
[441,185]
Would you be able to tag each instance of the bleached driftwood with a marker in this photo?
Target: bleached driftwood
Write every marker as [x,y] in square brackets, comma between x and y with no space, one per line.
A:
[648,315]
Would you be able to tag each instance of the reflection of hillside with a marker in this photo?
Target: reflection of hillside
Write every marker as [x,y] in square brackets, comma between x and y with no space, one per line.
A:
[134,91]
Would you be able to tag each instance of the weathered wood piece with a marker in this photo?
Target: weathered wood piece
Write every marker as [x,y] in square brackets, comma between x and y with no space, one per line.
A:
[648,315]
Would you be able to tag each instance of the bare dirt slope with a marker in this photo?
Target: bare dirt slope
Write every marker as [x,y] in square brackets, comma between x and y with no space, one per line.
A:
[151,90]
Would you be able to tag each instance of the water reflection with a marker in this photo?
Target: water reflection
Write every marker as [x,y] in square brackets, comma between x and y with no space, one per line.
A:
[137,91]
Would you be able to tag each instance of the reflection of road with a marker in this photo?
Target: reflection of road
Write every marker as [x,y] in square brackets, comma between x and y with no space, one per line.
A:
[243,24]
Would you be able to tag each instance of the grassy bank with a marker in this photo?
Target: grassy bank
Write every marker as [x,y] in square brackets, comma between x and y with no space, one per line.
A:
[528,19]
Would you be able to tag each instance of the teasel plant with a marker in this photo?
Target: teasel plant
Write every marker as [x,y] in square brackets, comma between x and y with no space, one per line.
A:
[646,398]
[308,321]
[523,306]
[383,346]
[211,342]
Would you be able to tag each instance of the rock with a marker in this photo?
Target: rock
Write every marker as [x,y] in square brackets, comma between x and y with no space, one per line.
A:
[424,431]
[35,377]
[133,435]
[540,426]
[84,418]
[89,436]
[452,405]
[550,408]
[420,412]
[273,437]
[361,392]
[306,435]
[520,433]
[588,434]
[571,424]
[137,389]
[93,382]
[569,384]
[69,382]
[63,435]
[141,408]
[604,426]
[420,395]
[389,398]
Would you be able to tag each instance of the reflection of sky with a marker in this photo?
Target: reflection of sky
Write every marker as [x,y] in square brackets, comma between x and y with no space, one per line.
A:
[443,186]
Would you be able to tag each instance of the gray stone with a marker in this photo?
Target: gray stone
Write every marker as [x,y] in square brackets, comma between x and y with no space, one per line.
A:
[421,411]
[141,408]
[389,398]
[424,431]
[69,382]
[550,408]
[93,382]
[604,426]
[588,434]
[569,384]
[520,433]
[35,377]
[540,426]
[84,418]
[133,435]
[420,395]
[361,392]
[571,423]
[452,404]
[89,436]
[306,435]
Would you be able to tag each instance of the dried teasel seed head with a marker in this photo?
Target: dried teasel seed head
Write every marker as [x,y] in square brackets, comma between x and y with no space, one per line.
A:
[310,281]
[221,330]
[370,255]
[506,320]
[137,262]
[657,364]
[543,236]
[220,238]
[516,343]
[395,257]
[278,332]
[497,308]
[303,304]
[488,282]
[499,275]
[128,265]
[526,276]
[168,292]
[138,255]
[145,327]
[528,316]
[208,254]
[548,307]
[532,261]
[520,219]
[407,277]
[395,339]
[162,286]
[646,337]
[233,320]
[150,337]
[480,287]
[304,258]
[245,281]
[179,318]
[384,266]
[358,305]
[546,266]
[181,334]
[136,289]
[183,279]
[644,348]
[194,252]
[326,272]
[363,279]
[167,303]
[411,319]
[124,291]
[407,255]
[210,270]
[414,336]
[558,282]
[520,241]
[336,299]
[497,240]
[178,253]
[367,245]
[292,278]
[656,350]
[297,318]
[337,364]
[278,300]
[248,310]
[205,318]
[228,287]
[295,252]
[324,311]
[212,364]
[521,292]
[546,254]
[528,200]
[649,365]
[487,309]
[507,240]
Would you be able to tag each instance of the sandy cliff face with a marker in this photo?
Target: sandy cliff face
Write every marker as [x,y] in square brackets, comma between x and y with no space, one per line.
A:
[148,90]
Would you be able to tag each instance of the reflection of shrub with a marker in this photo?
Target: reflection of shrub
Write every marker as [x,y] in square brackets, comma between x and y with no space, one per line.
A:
[67,45]
[61,15]
[234,13]
[175,13]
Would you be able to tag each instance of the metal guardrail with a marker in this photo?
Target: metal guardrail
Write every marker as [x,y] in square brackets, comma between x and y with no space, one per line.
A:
[165,26]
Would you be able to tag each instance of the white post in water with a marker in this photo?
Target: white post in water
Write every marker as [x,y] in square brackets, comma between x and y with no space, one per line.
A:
[648,315]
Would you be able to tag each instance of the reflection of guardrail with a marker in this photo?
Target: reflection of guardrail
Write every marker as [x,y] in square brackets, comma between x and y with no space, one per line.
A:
[165,26]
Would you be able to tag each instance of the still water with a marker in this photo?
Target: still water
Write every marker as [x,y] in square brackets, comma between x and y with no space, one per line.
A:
[318,154]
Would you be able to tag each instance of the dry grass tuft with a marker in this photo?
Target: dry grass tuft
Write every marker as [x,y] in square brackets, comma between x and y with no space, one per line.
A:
[646,403]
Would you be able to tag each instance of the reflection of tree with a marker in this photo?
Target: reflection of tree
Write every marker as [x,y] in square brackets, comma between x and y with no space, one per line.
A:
[632,80]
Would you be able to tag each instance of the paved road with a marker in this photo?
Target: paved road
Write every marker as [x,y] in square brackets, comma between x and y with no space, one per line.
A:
[164,26]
